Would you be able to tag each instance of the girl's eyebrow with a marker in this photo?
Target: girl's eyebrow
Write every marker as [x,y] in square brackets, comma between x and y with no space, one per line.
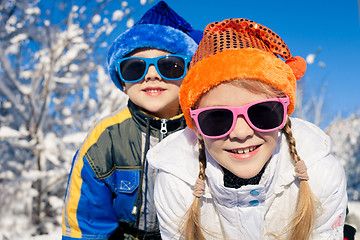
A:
[216,105]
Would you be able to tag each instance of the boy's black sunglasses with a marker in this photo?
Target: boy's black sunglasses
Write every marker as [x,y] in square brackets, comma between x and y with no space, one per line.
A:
[170,67]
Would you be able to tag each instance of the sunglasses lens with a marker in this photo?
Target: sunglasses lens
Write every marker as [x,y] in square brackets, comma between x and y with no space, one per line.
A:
[215,122]
[132,69]
[266,115]
[171,67]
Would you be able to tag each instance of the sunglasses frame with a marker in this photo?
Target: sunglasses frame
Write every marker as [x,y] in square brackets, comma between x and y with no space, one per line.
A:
[243,110]
[152,61]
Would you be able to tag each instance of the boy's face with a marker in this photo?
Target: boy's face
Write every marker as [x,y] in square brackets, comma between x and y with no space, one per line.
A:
[153,94]
[244,151]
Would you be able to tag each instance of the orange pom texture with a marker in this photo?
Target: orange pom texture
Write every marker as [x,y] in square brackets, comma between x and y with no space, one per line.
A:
[298,66]
[239,49]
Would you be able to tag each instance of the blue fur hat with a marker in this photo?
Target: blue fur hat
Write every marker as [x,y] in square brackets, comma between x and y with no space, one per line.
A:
[161,28]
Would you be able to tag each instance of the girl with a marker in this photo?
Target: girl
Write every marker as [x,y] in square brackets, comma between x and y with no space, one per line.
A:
[248,170]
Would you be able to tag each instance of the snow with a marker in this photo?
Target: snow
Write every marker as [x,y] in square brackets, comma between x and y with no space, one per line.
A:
[310,58]
[108,31]
[19,38]
[26,74]
[7,132]
[117,15]
[124,4]
[130,23]
[74,138]
[34,10]
[54,235]
[75,8]
[12,20]
[96,19]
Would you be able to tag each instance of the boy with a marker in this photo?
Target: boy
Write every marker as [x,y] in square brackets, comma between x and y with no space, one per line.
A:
[110,188]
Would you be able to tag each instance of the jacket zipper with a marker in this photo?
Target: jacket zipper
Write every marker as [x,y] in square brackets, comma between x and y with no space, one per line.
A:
[163,129]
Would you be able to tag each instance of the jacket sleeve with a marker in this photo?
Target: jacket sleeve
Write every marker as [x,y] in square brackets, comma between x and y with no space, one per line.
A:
[331,180]
[173,197]
[88,211]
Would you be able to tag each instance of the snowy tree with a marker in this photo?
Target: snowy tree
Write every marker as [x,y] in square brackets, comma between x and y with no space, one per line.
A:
[53,87]
[345,134]
[309,104]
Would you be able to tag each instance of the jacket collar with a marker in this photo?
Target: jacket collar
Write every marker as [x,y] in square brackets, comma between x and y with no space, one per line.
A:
[140,117]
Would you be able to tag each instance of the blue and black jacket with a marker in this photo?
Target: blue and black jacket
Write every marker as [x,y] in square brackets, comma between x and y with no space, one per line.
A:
[110,181]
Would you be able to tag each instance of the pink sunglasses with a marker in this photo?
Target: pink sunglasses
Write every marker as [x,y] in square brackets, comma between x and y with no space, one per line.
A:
[263,116]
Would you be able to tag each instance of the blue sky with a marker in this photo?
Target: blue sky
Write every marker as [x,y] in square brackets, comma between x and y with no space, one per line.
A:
[333,26]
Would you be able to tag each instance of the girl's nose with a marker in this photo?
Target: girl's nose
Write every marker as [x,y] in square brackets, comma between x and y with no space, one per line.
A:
[152,74]
[242,129]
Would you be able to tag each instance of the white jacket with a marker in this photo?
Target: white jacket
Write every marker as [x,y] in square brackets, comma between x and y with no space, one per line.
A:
[252,211]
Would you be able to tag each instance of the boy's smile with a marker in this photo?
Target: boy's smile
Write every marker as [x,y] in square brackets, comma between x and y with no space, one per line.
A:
[153,94]
[154,91]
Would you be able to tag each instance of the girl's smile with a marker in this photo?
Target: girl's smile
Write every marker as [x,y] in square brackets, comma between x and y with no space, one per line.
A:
[244,153]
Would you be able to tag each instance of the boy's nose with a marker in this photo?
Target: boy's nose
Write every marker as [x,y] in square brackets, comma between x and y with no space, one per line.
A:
[242,129]
[152,74]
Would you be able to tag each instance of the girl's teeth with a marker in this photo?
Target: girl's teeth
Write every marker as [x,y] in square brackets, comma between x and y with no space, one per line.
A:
[244,150]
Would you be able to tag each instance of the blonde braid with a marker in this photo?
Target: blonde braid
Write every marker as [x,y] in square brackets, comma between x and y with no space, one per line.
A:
[301,225]
[202,159]
[192,224]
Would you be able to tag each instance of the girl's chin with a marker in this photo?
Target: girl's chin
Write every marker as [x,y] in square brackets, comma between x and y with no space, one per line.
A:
[246,172]
[246,175]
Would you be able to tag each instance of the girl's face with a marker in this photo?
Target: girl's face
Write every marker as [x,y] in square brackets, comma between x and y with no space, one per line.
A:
[153,94]
[244,151]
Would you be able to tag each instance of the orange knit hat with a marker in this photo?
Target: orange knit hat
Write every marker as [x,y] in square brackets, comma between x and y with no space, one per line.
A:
[236,49]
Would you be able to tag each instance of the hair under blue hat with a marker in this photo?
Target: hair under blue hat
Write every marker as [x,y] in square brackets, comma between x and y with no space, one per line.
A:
[161,28]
